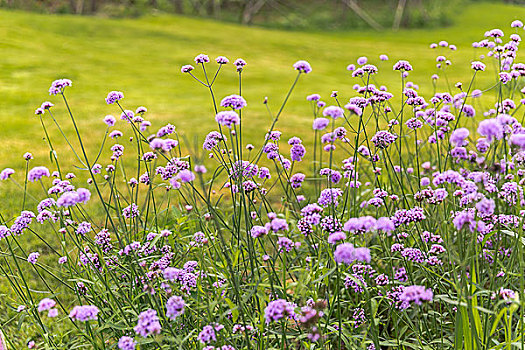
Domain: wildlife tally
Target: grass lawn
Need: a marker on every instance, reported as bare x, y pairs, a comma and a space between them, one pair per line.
142, 58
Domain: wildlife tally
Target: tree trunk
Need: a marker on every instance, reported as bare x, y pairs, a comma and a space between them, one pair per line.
361, 13
399, 14
94, 6
251, 9
178, 6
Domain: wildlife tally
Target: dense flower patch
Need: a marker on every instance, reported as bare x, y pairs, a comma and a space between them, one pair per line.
401, 227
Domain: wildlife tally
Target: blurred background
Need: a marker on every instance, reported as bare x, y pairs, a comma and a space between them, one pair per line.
284, 14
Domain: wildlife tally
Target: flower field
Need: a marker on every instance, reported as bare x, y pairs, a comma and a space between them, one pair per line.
396, 221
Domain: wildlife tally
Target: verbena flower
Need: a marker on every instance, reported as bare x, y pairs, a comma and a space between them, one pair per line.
148, 323
84, 313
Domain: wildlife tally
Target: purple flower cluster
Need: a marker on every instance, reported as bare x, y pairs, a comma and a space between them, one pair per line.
148, 323
84, 313
277, 310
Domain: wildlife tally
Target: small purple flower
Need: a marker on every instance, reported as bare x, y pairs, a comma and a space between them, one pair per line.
186, 175
148, 323
402, 65
227, 118
320, 123
346, 253
207, 335
362, 60
233, 101
58, 86
37, 173
222, 60
6, 173
127, 343
109, 120
239, 64
383, 139
478, 66
416, 294
84, 313
491, 129
131, 211
114, 96
333, 111
202, 58
302, 67
33, 257
187, 68
46, 304
459, 136
277, 310
174, 307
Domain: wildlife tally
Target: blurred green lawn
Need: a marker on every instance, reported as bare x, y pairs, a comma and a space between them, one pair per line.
142, 57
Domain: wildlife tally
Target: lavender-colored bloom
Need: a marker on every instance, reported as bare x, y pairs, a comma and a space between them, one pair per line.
58, 86
186, 68
277, 310
239, 64
329, 196
202, 58
131, 211
516, 24
46, 105
362, 60
222, 60
346, 253
383, 57
297, 179
109, 120
416, 294
37, 173
478, 66
382, 139
207, 335
33, 257
302, 66
84, 313
174, 307
459, 136
313, 97
6, 173
402, 65
114, 96
335, 237
320, 123
68, 199
333, 111
127, 343
278, 225
285, 244
83, 195
384, 224
148, 323
491, 129
186, 175
258, 231
227, 118
83, 228
518, 140
233, 101
297, 152
46, 304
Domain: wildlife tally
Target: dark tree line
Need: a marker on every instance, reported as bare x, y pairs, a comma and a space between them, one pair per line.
245, 11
